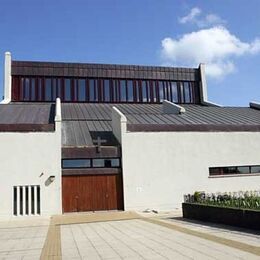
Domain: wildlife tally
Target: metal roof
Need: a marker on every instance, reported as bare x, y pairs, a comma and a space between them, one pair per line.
194, 115
62, 69
83, 122
27, 117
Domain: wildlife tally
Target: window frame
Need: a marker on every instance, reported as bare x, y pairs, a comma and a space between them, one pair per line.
221, 171
91, 162
142, 90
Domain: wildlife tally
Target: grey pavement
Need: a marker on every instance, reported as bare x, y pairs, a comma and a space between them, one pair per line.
237, 234
124, 239
137, 239
22, 239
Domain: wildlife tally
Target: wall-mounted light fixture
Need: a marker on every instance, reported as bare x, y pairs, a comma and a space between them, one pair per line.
51, 178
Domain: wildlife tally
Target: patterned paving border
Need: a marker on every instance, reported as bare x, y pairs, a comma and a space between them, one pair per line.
52, 246
228, 242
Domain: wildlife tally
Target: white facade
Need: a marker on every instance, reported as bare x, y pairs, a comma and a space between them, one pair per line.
7, 79
160, 167
30, 159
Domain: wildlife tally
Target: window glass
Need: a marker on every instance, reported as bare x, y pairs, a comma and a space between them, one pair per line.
98, 162
154, 91
107, 163
174, 92
137, 91
115, 162
161, 92
186, 92
67, 90
181, 93
39, 89
214, 171
96, 89
33, 89
48, 89
115, 91
58, 88
255, 169
74, 83
92, 90
148, 88
21, 89
122, 90
234, 170
76, 163
229, 170
144, 93
26, 89
81, 90
243, 170
191, 92
54, 89
106, 90
130, 92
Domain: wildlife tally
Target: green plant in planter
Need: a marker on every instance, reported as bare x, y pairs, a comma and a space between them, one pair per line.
241, 199
197, 196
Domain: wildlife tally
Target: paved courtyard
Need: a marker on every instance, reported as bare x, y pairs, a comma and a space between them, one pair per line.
23, 239
124, 235
138, 239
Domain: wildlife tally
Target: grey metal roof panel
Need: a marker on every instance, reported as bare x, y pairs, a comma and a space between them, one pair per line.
81, 120
85, 111
27, 117
195, 114
26, 113
34, 68
82, 133
153, 113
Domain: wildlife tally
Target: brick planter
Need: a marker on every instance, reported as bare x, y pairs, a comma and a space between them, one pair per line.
230, 216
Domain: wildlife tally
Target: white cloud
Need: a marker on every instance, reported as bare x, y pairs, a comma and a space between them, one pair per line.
196, 17
215, 46
194, 12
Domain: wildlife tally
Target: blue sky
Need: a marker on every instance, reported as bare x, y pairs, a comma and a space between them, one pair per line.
224, 34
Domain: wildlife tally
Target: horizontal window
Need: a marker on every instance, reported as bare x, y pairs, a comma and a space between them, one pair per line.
76, 163
107, 163
234, 170
103, 90
91, 163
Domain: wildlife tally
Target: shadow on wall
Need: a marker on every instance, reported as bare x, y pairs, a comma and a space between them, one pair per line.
49, 180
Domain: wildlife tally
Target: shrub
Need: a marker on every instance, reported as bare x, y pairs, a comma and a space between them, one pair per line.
241, 199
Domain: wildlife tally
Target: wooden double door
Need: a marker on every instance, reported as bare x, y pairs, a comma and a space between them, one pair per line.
92, 192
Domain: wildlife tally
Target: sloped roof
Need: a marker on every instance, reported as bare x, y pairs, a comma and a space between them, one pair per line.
25, 117
82, 120
83, 123
196, 118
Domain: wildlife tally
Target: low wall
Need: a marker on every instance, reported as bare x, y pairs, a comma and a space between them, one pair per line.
229, 216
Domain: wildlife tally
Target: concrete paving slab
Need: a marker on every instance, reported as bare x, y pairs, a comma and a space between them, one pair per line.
90, 217
138, 239
23, 239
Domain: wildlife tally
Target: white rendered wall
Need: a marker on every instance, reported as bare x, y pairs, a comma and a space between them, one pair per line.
23, 159
158, 168
7, 79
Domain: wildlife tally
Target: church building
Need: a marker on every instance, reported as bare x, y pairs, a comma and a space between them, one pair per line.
79, 137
